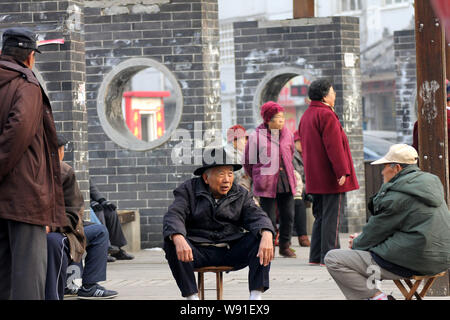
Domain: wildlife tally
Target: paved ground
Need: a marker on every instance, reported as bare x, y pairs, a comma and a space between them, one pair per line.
148, 277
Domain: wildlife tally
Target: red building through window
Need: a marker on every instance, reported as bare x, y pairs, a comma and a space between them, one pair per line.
144, 113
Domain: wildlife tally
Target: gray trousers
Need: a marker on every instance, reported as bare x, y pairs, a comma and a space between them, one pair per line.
356, 273
23, 261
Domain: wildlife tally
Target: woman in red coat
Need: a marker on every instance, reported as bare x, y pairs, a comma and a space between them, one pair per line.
329, 170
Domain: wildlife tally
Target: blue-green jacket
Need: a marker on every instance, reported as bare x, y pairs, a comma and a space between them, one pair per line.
410, 225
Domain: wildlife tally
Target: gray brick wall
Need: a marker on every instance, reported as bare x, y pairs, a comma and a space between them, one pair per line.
405, 83
269, 53
183, 36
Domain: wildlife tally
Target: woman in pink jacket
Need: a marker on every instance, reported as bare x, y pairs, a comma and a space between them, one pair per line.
268, 161
329, 171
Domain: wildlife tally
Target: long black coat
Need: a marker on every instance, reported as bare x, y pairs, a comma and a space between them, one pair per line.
196, 215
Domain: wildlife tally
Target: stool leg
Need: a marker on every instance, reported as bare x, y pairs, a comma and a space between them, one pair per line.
219, 285
402, 289
201, 286
426, 287
413, 289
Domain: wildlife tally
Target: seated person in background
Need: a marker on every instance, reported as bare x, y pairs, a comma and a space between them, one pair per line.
214, 222
407, 234
70, 243
107, 214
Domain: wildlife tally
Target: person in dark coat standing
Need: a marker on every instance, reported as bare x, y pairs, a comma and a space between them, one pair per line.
268, 161
31, 196
329, 170
213, 221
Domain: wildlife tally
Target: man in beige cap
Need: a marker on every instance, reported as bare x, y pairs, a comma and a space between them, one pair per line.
407, 234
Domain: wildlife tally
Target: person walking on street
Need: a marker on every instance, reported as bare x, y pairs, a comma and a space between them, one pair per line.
329, 170
31, 196
268, 161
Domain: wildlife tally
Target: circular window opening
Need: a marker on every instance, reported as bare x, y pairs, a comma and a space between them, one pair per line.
139, 104
289, 88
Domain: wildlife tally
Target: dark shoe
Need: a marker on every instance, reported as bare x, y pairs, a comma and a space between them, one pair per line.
390, 297
96, 292
303, 241
110, 259
122, 255
287, 252
113, 250
71, 292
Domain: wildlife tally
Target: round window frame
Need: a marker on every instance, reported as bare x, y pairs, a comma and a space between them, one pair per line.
116, 129
285, 75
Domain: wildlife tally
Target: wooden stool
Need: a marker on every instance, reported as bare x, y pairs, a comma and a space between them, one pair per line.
415, 286
218, 270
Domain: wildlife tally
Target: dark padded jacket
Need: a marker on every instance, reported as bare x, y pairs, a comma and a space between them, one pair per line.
196, 215
410, 225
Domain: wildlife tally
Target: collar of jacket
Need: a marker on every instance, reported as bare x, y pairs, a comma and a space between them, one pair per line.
386, 186
201, 189
405, 171
14, 65
320, 104
264, 126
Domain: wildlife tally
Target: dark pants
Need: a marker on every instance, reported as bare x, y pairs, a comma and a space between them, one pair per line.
285, 204
110, 219
300, 218
327, 211
97, 253
23, 261
242, 253
58, 254
59, 259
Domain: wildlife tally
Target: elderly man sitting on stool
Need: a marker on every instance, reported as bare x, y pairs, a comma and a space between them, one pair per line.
407, 234
214, 222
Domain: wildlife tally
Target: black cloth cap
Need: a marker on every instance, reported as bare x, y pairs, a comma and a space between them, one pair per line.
20, 37
210, 160
62, 141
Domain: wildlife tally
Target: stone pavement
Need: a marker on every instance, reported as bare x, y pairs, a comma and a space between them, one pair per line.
148, 277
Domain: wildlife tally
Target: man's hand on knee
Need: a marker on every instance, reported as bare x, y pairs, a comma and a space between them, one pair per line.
183, 249
351, 238
265, 252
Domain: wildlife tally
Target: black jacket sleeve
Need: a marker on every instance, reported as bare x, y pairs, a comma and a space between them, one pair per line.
174, 220
94, 192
